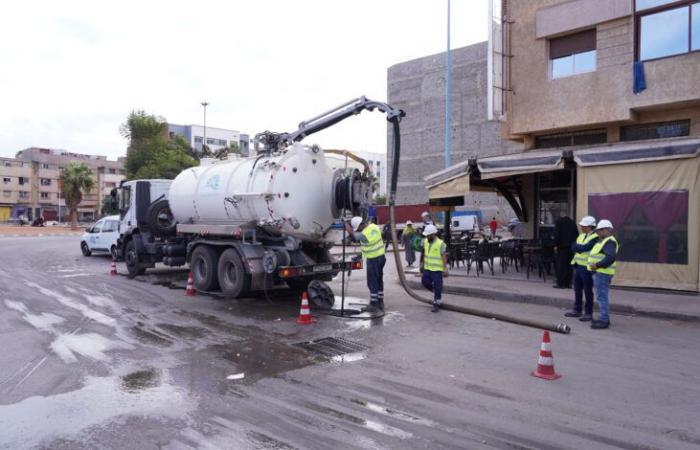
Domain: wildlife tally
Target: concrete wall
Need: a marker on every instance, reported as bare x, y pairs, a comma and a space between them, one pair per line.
538, 104
418, 87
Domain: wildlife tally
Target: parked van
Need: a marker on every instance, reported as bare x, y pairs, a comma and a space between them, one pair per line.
101, 237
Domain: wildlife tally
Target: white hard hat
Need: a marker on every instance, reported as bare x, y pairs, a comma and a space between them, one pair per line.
424, 213
408, 222
355, 222
604, 224
430, 229
588, 221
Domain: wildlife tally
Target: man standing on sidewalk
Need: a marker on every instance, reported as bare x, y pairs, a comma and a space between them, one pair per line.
565, 233
370, 238
583, 278
433, 264
602, 262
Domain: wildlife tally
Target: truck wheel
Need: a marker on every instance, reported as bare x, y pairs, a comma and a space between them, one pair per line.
160, 218
132, 260
85, 249
203, 264
233, 279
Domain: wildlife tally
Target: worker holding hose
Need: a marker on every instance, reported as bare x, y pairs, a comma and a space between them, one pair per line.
369, 235
433, 264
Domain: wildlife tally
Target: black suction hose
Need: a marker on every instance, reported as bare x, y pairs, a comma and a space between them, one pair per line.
559, 328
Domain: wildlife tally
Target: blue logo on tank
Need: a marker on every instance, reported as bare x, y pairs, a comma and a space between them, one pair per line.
213, 183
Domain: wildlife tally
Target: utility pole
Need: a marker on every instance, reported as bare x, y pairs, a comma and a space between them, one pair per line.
448, 106
204, 143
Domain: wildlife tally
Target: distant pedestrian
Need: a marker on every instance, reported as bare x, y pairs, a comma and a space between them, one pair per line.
433, 264
493, 225
565, 233
407, 237
583, 278
370, 238
602, 261
427, 219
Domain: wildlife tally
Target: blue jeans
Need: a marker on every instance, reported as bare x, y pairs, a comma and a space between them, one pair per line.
601, 282
432, 281
375, 279
583, 284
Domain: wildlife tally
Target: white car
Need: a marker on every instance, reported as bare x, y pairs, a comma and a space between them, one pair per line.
101, 237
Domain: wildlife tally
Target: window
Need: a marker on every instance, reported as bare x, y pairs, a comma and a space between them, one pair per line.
45, 195
655, 130
8, 164
7, 180
198, 139
112, 171
110, 185
23, 194
46, 181
572, 54
110, 226
44, 166
588, 137
22, 180
667, 28
7, 193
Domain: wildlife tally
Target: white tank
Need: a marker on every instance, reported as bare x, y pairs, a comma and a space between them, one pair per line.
291, 193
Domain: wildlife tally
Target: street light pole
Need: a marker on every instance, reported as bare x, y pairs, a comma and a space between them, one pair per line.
204, 143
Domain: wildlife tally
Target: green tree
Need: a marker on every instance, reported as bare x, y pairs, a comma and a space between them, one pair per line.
232, 149
151, 154
107, 208
75, 179
380, 200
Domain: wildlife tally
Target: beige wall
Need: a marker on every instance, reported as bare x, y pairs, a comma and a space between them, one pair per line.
14, 171
539, 105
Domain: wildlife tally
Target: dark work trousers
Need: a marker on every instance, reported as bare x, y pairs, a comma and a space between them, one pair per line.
583, 284
564, 269
375, 279
432, 281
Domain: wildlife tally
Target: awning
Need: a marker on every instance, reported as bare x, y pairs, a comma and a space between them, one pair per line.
450, 182
521, 163
635, 153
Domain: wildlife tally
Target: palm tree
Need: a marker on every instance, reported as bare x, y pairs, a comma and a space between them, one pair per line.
75, 179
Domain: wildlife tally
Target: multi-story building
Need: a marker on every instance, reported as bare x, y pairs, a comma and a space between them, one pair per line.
604, 100
31, 184
217, 138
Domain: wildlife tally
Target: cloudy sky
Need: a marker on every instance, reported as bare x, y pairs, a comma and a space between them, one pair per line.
71, 71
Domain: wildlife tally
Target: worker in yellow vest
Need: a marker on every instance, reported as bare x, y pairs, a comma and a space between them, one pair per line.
433, 264
369, 235
583, 278
602, 262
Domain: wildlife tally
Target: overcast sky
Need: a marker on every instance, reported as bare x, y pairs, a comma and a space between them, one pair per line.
71, 71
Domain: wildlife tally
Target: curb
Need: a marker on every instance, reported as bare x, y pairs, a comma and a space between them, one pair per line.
38, 235
556, 302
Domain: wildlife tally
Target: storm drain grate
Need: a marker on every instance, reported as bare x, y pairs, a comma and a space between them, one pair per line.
332, 346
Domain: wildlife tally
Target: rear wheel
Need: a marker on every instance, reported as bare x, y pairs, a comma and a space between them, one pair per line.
85, 249
203, 264
132, 260
233, 279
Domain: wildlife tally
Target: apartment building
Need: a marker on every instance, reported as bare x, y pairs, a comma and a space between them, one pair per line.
604, 100
31, 184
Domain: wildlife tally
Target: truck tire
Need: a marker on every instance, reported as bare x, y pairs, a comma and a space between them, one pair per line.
160, 219
233, 279
203, 264
132, 260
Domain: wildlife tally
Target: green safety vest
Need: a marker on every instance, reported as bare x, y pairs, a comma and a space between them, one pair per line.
432, 259
582, 258
597, 255
374, 248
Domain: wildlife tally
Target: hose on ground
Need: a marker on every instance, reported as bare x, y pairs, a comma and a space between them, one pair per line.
396, 137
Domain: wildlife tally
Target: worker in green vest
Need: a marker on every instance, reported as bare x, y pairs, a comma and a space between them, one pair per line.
602, 262
433, 264
583, 278
369, 235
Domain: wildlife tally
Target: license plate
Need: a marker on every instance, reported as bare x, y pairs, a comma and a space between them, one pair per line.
323, 268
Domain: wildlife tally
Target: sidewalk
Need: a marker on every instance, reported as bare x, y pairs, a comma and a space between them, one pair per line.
514, 287
29, 231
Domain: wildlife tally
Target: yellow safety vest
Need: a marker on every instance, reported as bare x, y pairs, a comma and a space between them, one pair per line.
597, 256
582, 258
374, 248
432, 259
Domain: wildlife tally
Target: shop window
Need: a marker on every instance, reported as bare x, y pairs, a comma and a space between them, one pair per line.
572, 54
589, 137
667, 28
655, 130
651, 227
554, 197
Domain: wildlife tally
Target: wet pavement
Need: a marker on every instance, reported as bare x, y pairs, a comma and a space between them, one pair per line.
91, 360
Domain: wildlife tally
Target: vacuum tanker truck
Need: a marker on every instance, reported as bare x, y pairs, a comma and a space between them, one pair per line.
248, 224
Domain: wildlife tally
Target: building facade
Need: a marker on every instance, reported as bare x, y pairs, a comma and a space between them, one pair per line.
217, 138
31, 184
603, 100
418, 87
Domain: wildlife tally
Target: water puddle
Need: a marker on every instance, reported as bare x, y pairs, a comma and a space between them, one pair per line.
141, 379
350, 357
184, 332
377, 408
366, 423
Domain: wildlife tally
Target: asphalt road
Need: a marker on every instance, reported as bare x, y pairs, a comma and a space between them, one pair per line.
90, 360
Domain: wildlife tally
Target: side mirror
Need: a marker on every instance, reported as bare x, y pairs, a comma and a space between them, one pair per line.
88, 229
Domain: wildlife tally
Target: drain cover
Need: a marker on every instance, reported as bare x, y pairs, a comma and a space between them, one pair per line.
332, 346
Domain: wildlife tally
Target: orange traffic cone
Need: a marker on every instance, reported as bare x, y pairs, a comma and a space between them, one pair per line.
190, 291
305, 315
113, 269
545, 364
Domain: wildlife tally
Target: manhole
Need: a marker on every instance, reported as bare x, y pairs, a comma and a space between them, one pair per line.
332, 346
